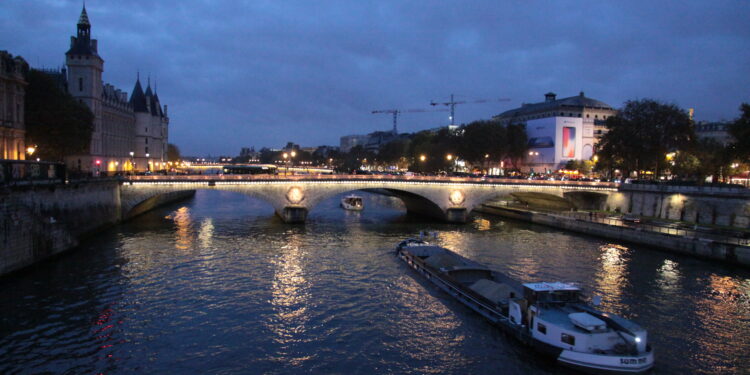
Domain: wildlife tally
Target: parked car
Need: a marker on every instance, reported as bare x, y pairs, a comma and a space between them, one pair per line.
630, 218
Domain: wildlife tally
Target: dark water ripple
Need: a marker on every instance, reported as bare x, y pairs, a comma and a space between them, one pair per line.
218, 285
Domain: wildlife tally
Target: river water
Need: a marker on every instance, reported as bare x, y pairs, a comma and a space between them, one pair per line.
218, 285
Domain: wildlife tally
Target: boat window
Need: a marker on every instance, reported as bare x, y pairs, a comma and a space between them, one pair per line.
541, 328
568, 339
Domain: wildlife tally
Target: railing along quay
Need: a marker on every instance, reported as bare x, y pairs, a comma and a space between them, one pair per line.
697, 234
26, 173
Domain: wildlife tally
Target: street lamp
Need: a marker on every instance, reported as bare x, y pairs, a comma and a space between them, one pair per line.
30, 150
422, 157
148, 162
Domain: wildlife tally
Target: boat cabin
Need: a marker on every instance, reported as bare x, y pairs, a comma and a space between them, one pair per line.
557, 293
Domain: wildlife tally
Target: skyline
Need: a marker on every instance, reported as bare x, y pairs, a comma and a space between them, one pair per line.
270, 73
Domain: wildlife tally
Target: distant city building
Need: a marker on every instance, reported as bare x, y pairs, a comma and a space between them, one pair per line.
348, 142
370, 142
718, 131
129, 134
560, 129
12, 92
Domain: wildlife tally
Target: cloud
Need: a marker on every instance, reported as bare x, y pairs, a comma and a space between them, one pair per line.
262, 73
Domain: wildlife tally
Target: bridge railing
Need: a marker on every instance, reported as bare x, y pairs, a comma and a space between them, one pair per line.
22, 172
346, 177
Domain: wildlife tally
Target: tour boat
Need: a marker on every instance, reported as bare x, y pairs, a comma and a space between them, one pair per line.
352, 202
550, 317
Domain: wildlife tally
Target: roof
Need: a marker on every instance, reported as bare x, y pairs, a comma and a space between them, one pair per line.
549, 287
578, 101
84, 18
138, 99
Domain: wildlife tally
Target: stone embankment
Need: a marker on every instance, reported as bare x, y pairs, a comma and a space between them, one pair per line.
40, 221
726, 251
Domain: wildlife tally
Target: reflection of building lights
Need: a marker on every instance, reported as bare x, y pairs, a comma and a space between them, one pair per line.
295, 195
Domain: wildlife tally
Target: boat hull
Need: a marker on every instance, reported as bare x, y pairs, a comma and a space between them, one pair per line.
585, 362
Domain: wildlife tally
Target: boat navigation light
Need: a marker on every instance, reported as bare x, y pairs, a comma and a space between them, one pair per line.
637, 339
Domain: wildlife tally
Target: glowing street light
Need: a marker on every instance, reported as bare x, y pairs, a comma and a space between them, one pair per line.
422, 157
30, 150
449, 157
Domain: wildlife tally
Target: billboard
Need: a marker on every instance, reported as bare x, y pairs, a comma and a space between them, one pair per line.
568, 142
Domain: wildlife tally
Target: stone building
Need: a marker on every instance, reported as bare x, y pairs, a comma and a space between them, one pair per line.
12, 89
129, 134
560, 129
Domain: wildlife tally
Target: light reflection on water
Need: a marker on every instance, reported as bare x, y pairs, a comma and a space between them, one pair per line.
219, 285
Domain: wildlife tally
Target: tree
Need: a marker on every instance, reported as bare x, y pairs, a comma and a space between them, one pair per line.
482, 138
173, 153
643, 132
395, 152
57, 123
740, 130
518, 143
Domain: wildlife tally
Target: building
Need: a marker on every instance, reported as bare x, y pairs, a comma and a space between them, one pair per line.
560, 129
129, 134
348, 142
12, 90
718, 131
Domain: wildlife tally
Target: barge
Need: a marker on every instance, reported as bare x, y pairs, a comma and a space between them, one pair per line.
550, 317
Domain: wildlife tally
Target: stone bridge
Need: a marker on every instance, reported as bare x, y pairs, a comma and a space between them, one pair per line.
448, 199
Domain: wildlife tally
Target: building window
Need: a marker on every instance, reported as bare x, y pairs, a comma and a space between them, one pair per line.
568, 339
541, 328
146, 150
146, 140
587, 115
596, 116
80, 84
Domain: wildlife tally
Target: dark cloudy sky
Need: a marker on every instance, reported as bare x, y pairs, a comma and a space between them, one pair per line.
261, 73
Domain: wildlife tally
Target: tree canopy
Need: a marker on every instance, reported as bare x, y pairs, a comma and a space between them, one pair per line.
57, 123
740, 130
173, 152
642, 133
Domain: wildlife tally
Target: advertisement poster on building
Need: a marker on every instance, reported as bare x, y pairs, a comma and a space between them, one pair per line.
569, 142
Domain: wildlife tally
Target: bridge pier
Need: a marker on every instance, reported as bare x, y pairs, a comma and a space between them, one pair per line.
458, 215
293, 214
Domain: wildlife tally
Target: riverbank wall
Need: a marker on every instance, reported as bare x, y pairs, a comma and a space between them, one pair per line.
41, 221
703, 248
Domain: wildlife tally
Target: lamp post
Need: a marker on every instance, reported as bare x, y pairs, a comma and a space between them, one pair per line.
148, 162
132, 165
449, 157
286, 164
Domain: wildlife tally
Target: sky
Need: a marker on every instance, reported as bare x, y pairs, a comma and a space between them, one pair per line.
263, 73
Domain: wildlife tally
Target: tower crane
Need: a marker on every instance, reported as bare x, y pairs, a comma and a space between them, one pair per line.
395, 113
453, 103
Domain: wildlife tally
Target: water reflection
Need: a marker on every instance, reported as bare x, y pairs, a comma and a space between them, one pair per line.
206, 232
482, 224
184, 233
668, 277
612, 276
290, 299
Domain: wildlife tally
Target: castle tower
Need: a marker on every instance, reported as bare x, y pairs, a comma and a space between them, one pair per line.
85, 69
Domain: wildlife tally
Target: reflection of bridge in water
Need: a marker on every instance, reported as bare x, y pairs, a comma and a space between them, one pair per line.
449, 199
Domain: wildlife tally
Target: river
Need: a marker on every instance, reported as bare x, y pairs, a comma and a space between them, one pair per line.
219, 285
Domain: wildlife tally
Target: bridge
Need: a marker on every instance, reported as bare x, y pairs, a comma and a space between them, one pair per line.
449, 199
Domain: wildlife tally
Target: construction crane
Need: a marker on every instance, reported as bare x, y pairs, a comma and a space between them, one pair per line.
395, 113
453, 103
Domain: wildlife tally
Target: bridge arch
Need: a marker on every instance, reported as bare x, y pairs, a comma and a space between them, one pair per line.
292, 198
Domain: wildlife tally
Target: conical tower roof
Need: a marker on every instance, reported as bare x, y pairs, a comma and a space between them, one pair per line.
84, 18
138, 98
